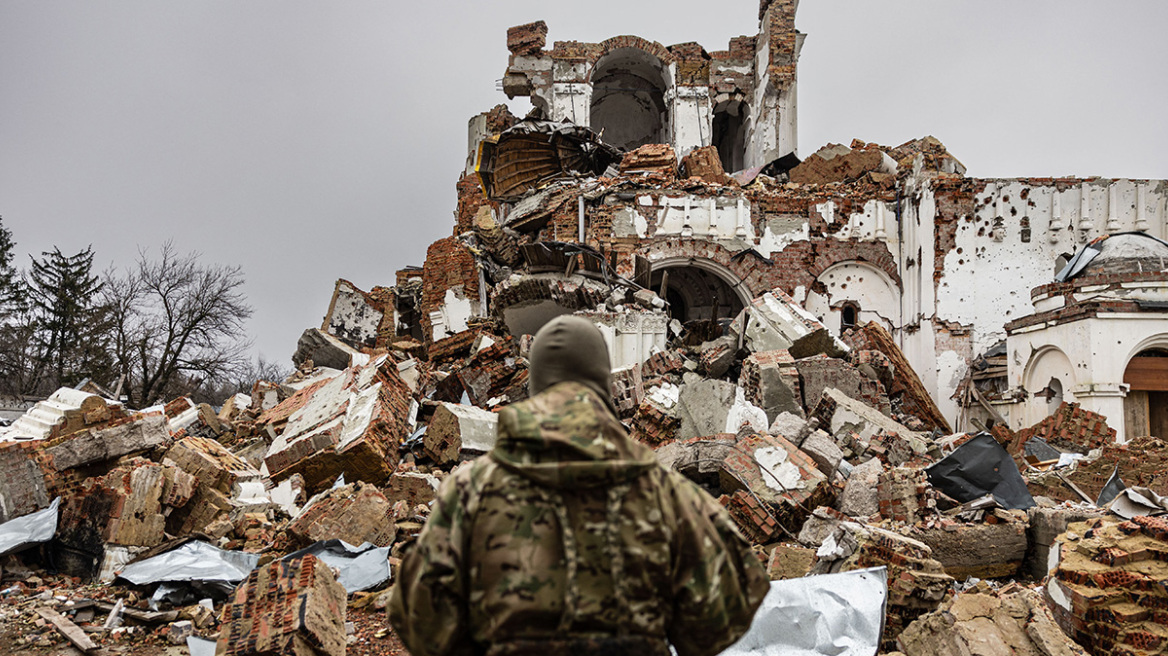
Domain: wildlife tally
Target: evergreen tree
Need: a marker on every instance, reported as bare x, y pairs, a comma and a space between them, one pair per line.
70, 332
11, 285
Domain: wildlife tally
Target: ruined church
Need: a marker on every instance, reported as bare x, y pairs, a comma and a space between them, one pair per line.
676, 169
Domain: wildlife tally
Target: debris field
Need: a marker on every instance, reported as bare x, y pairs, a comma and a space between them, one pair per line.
274, 522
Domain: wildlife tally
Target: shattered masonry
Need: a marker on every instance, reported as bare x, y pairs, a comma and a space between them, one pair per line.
804, 338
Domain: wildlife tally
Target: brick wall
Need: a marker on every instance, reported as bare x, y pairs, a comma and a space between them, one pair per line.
449, 264
22, 484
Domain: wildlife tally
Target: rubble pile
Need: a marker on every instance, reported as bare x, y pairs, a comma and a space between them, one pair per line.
819, 438
984, 620
824, 451
1108, 590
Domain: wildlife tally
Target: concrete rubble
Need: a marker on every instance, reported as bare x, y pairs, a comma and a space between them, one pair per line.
819, 459
764, 316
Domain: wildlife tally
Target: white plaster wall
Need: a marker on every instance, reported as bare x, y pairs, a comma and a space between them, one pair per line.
1098, 351
713, 218
786, 129
571, 101
915, 260
692, 121
761, 134
350, 312
632, 336
451, 317
476, 131
989, 273
991, 270
538, 69
870, 288
1045, 364
781, 232
987, 277
876, 222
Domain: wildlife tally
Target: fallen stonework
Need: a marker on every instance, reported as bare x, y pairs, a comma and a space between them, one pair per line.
813, 339
140, 433
355, 513
1108, 589
904, 387
66, 411
779, 475
772, 381
346, 425
775, 322
816, 459
1045, 526
455, 428
917, 583
987, 622
1142, 462
287, 607
22, 482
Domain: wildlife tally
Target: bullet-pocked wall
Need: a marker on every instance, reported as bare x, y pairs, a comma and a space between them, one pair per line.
893, 234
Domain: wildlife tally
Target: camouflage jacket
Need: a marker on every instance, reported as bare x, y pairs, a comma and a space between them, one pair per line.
569, 530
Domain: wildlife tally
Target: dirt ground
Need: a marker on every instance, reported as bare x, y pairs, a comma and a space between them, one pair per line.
25, 633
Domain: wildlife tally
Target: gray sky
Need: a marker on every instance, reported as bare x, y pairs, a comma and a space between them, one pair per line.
307, 141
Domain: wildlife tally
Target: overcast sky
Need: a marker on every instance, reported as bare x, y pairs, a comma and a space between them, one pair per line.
309, 141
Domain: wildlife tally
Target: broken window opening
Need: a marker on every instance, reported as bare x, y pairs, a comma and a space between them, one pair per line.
628, 99
849, 316
729, 134
695, 294
1055, 399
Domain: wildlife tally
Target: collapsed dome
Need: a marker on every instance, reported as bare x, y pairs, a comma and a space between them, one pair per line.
1127, 252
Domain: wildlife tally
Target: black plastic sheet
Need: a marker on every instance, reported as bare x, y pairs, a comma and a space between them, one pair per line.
980, 467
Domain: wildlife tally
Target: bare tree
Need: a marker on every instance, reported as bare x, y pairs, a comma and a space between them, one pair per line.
177, 325
217, 391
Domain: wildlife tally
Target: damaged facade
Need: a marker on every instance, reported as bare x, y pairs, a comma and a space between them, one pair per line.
714, 203
869, 359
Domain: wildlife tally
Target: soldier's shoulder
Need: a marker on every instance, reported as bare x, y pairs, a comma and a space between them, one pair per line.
564, 403
468, 476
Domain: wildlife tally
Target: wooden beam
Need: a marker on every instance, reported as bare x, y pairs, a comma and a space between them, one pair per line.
68, 629
1148, 374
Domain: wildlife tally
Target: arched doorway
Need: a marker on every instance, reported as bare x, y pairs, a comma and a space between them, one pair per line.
698, 290
628, 99
1145, 408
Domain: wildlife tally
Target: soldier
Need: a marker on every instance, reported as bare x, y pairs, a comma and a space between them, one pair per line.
570, 538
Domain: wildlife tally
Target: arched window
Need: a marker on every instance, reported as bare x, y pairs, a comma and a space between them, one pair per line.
849, 316
628, 99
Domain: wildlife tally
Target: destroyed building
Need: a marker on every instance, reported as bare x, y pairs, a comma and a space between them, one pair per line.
878, 366
711, 206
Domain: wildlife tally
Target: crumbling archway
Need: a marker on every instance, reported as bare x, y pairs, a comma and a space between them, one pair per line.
698, 290
1048, 373
628, 98
729, 134
1145, 408
853, 292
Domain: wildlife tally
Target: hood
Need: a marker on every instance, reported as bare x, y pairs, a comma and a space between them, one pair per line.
570, 348
565, 437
